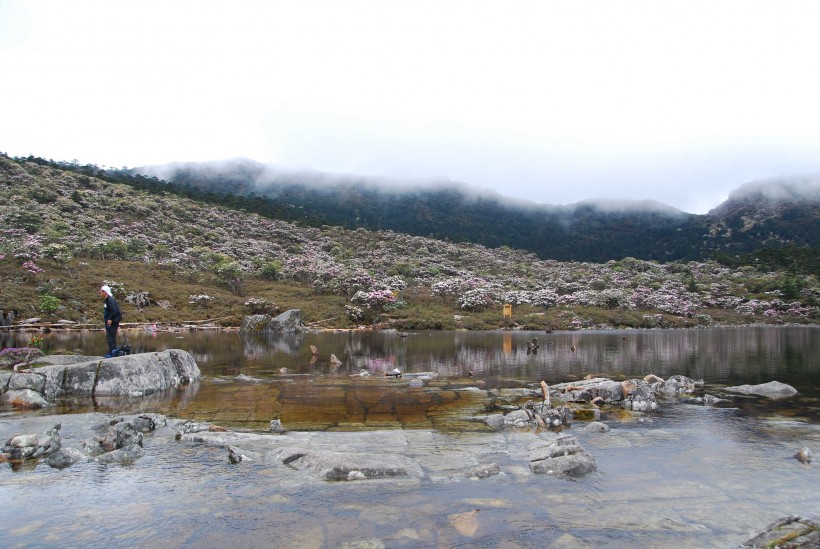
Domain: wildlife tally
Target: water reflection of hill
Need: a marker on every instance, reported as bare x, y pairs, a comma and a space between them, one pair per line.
300, 385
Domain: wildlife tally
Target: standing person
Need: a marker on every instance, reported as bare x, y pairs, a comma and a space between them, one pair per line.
112, 317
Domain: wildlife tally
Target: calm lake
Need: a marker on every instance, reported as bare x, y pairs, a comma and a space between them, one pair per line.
685, 476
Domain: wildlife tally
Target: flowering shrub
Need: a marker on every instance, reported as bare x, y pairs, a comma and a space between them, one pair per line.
58, 253
32, 267
654, 321
517, 297
200, 300
354, 313
355, 281
116, 287
261, 306
393, 283
18, 355
376, 300
544, 298
476, 299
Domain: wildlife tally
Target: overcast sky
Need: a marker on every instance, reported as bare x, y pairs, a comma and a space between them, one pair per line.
553, 101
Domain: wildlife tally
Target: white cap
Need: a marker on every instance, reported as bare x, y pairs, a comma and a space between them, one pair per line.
107, 290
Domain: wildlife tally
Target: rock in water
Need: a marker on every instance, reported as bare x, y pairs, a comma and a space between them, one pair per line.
772, 389
235, 455
803, 456
33, 446
65, 457
465, 524
565, 457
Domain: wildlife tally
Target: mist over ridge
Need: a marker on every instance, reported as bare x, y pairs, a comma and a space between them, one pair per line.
245, 176
772, 212
803, 187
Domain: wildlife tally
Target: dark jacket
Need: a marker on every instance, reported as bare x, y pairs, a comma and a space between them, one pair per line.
111, 311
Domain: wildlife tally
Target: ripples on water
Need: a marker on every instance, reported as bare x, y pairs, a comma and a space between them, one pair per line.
685, 476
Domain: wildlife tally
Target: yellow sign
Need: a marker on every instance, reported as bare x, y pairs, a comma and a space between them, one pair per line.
508, 310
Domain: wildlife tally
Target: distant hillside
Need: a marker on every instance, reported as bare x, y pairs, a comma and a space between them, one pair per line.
65, 228
765, 214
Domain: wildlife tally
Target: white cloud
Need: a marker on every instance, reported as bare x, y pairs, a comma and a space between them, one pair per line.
556, 101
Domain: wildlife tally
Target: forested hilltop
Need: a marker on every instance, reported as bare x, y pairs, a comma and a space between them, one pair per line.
68, 228
771, 213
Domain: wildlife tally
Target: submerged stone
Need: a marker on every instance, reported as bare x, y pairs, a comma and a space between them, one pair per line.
772, 389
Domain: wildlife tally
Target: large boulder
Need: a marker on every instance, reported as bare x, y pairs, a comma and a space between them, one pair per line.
255, 324
131, 375
286, 323
145, 373
772, 389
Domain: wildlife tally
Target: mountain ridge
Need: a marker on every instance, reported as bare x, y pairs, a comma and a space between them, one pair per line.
588, 230
251, 175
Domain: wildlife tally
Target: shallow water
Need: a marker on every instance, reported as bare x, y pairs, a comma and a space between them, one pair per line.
687, 475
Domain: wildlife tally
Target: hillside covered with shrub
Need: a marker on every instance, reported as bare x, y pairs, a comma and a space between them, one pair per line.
174, 259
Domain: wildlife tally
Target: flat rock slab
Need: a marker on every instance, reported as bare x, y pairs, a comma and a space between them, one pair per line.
350, 466
63, 360
772, 389
400, 455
